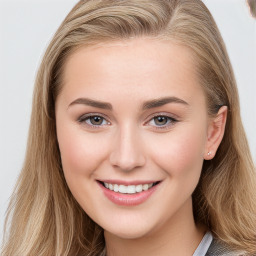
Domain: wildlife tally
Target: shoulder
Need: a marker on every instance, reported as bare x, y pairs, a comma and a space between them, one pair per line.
218, 248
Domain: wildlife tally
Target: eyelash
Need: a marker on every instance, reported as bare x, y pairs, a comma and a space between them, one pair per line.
82, 119
170, 120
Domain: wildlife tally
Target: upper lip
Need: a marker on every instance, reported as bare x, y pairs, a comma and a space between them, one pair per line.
132, 182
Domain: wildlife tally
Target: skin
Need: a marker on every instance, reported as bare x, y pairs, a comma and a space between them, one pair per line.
129, 144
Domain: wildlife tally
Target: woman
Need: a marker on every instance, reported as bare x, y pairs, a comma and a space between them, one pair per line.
136, 145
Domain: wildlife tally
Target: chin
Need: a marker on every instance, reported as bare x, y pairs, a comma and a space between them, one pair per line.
128, 231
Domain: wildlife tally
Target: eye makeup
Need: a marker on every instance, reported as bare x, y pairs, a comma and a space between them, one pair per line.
156, 121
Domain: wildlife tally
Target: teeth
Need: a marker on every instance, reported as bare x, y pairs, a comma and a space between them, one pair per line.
116, 188
145, 187
122, 189
139, 188
130, 189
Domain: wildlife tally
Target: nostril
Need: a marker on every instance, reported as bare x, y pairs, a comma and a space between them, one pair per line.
126, 162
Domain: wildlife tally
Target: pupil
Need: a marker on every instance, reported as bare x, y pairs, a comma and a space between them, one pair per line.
160, 120
96, 120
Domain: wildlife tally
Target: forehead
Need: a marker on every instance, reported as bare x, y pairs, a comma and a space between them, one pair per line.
135, 66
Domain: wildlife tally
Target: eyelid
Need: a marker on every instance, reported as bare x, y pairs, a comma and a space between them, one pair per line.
83, 117
172, 116
174, 119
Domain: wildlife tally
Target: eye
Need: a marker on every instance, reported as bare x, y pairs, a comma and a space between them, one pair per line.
162, 121
93, 120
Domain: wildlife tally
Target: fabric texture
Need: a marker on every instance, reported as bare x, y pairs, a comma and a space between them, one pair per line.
217, 248
204, 245
209, 246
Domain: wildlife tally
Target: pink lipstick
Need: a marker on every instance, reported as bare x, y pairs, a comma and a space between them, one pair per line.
128, 193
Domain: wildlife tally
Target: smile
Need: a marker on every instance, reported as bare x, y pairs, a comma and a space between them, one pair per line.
125, 194
130, 189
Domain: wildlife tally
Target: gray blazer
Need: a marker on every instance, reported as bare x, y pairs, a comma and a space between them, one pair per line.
216, 249
219, 249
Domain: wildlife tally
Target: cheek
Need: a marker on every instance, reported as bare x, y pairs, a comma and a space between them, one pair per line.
180, 152
81, 152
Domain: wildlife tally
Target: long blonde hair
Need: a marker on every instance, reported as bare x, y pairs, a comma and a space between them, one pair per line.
44, 218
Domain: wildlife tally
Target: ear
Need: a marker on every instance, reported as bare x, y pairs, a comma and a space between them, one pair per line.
215, 133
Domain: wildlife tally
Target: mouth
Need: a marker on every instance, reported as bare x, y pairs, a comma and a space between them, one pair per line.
126, 193
128, 189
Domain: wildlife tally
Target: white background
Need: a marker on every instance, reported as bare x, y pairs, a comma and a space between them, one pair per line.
26, 28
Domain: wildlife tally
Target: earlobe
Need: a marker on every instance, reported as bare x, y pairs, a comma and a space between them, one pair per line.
215, 132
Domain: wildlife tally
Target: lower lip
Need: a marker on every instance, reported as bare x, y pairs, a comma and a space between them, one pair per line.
128, 199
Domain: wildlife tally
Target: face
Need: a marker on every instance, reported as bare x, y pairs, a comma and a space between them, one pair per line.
132, 131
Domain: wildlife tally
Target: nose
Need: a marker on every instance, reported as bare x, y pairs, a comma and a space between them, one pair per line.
127, 153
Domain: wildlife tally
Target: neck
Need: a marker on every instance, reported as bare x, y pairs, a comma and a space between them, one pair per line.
178, 236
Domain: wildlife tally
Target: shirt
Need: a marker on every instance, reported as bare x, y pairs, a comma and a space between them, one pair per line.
204, 245
210, 246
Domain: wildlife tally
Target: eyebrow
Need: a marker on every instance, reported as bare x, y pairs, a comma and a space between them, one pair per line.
162, 101
92, 103
146, 105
